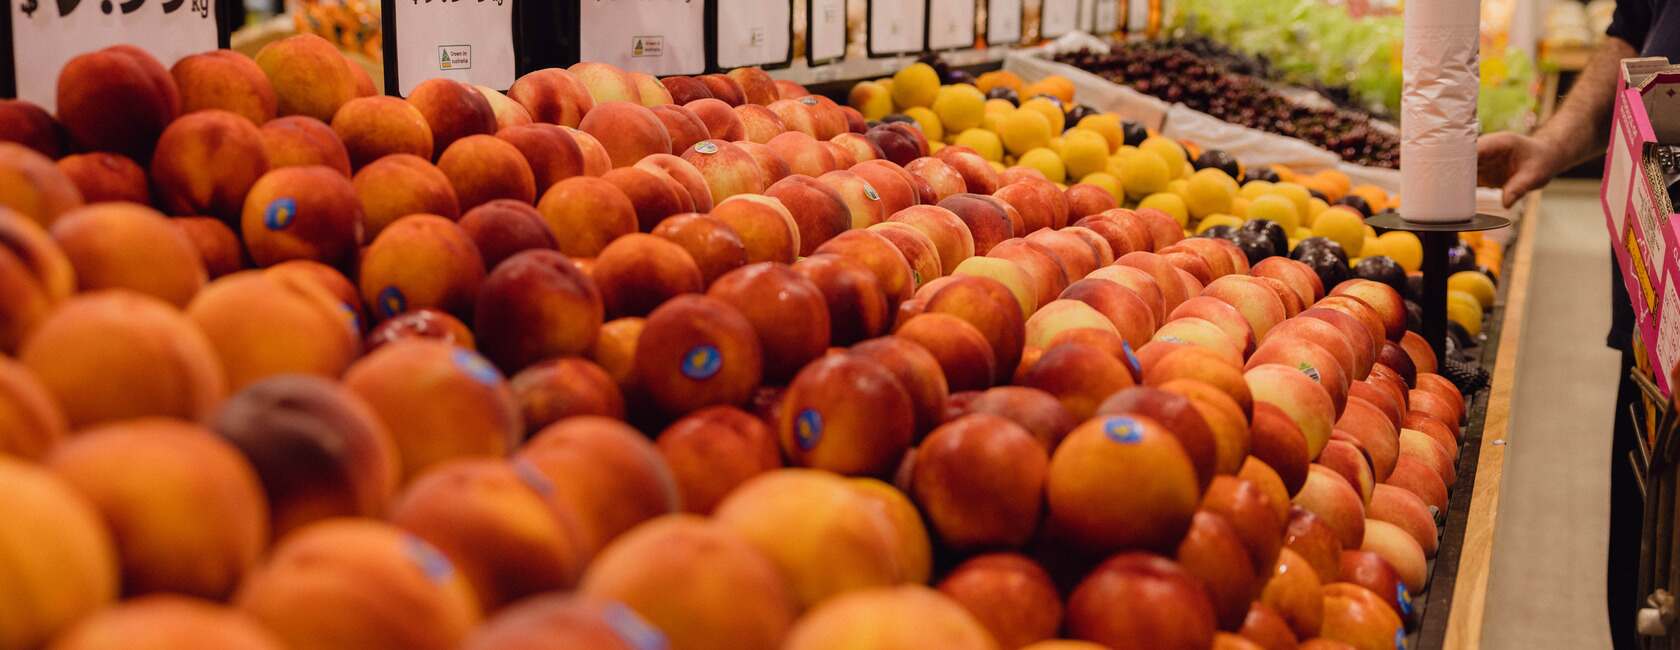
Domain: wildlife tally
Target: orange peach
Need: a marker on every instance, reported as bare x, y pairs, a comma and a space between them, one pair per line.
917, 370
421, 261
803, 154
1402, 552
858, 308
1035, 410
765, 225
949, 233
770, 164
1009, 594
1330, 496
918, 250
1295, 592
196, 523
33, 186
685, 89
909, 616
983, 302
302, 213
788, 312
892, 183
552, 153
654, 193
504, 227
715, 247
33, 422
483, 168
552, 96
51, 525
638, 272
715, 449
1137, 600
168, 621
760, 124
980, 482
535, 305
300, 141
1266, 628
1150, 509
607, 474
606, 82
1397, 506
420, 323
129, 246
727, 169
892, 271
555, 389
508, 113
360, 583
309, 75
453, 110
1213, 552
725, 88
374, 127
102, 177
562, 621
963, 354
584, 214
32, 126
860, 148
1359, 617
1310, 359
682, 125
399, 185
865, 437
119, 99
1306, 402
721, 121
628, 131
818, 208
1202, 365
264, 324
688, 179
697, 351
206, 163
977, 174
439, 402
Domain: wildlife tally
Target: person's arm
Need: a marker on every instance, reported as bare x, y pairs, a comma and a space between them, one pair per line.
1578, 131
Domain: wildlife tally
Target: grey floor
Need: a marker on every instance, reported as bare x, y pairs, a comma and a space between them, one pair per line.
1546, 589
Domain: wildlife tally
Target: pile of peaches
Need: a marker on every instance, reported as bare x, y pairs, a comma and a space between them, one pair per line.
616, 362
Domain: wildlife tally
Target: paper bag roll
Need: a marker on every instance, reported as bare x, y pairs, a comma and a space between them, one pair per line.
1438, 125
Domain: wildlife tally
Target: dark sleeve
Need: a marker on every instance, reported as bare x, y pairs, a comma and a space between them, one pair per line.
1631, 22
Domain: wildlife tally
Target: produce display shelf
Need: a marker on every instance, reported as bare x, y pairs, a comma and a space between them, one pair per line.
1451, 611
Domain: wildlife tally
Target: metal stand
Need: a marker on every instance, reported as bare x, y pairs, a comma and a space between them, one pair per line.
1436, 238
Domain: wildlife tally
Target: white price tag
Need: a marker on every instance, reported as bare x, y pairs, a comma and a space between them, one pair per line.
1107, 19
659, 37
1003, 22
950, 24
46, 34
753, 32
1057, 17
896, 26
825, 30
470, 41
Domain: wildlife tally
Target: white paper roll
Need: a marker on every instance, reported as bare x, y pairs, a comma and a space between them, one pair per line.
1438, 125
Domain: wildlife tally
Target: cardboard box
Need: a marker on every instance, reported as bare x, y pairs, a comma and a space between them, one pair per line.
1638, 211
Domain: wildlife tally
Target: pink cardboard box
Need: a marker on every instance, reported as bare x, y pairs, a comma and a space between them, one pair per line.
1640, 219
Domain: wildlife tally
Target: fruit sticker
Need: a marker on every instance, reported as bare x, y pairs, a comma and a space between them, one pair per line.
871, 193
1131, 359
280, 213
808, 429
633, 630
1400, 639
702, 362
476, 367
532, 478
1308, 370
808, 101
392, 302
1404, 598
706, 147
1172, 339
1123, 430
431, 561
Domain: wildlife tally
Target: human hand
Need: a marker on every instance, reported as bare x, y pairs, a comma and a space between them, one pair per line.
1516, 163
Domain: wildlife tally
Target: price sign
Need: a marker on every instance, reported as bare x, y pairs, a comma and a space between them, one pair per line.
1107, 17
825, 31
659, 37
46, 34
1057, 17
1003, 22
896, 27
753, 32
950, 24
470, 41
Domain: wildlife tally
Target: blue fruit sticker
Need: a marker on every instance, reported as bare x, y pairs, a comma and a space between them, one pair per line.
1404, 597
280, 213
476, 367
1308, 370
808, 429
1400, 638
702, 362
633, 630
392, 301
1132, 360
431, 561
531, 477
706, 147
1123, 430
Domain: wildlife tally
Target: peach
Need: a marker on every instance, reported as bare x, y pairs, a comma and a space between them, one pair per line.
129, 246
682, 125
1371, 571
1178, 415
1430, 406
199, 495
918, 250
1431, 426
1296, 275
412, 382
1137, 600
1221, 314
1162, 228
1295, 592
1036, 211
552, 153
677, 591
453, 110
1306, 402
964, 355
795, 116
1415, 476
917, 370
1085, 200
628, 131
760, 124
100, 355
1150, 509
1380, 439
892, 272
1311, 360
483, 168
1310, 536
1359, 617
765, 225
1387, 303
825, 536
857, 306
1058, 317
856, 406
498, 523
709, 344
50, 524
684, 89
715, 449
1009, 594
615, 351
891, 182
908, 616
1362, 311
654, 193
1005, 272
1345, 457
1257, 303
371, 128
1402, 552
302, 213
858, 146
1044, 270
768, 294
535, 305
725, 88
607, 474
421, 261
1079, 375
552, 96
983, 302
1252, 514
504, 227
301, 141
1266, 628
563, 620
318, 450
1291, 302
35, 187
638, 272
1125, 233
596, 162
1278, 442
264, 324
33, 127
420, 323
206, 163
1423, 356
1336, 501
726, 169
33, 422
756, 85
1201, 333
914, 551
686, 179
1407, 511
1417, 444
119, 99
1165, 276
1213, 552
949, 233
980, 482
399, 185
168, 621
1079, 250
1037, 411
508, 113
555, 389
606, 82
313, 590
770, 165
721, 121
941, 176
715, 247
1191, 264
309, 76
804, 155
101, 177
1201, 365
584, 214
